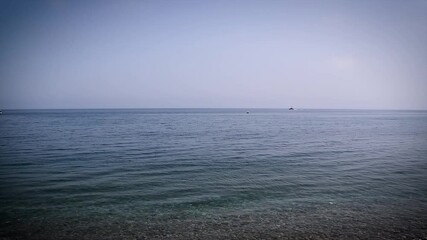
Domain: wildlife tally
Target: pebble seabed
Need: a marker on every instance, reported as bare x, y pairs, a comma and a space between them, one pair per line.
329, 223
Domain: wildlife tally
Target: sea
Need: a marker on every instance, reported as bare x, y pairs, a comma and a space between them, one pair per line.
213, 174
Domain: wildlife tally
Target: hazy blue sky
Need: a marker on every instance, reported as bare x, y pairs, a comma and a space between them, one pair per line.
305, 54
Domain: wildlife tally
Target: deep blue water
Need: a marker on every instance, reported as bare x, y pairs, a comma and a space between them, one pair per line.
213, 173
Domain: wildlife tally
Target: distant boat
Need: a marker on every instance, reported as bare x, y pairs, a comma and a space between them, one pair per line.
291, 109
247, 112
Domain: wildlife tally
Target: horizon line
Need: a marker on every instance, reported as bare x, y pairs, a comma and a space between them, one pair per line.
277, 108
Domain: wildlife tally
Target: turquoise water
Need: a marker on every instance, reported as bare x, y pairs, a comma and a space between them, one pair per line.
213, 173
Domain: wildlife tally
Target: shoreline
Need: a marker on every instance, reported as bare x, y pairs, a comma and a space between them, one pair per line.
341, 223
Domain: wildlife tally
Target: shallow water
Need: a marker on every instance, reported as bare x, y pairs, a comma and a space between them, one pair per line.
213, 173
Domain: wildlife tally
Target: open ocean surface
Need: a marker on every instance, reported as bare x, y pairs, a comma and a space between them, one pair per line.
213, 174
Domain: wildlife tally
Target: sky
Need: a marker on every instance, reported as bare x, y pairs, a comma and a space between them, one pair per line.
213, 54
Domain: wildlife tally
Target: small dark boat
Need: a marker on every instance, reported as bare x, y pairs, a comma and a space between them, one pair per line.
291, 109
247, 112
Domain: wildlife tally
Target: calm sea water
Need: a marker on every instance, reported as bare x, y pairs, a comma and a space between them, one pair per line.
213, 173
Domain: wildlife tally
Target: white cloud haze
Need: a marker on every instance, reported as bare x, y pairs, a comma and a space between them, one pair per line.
306, 54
